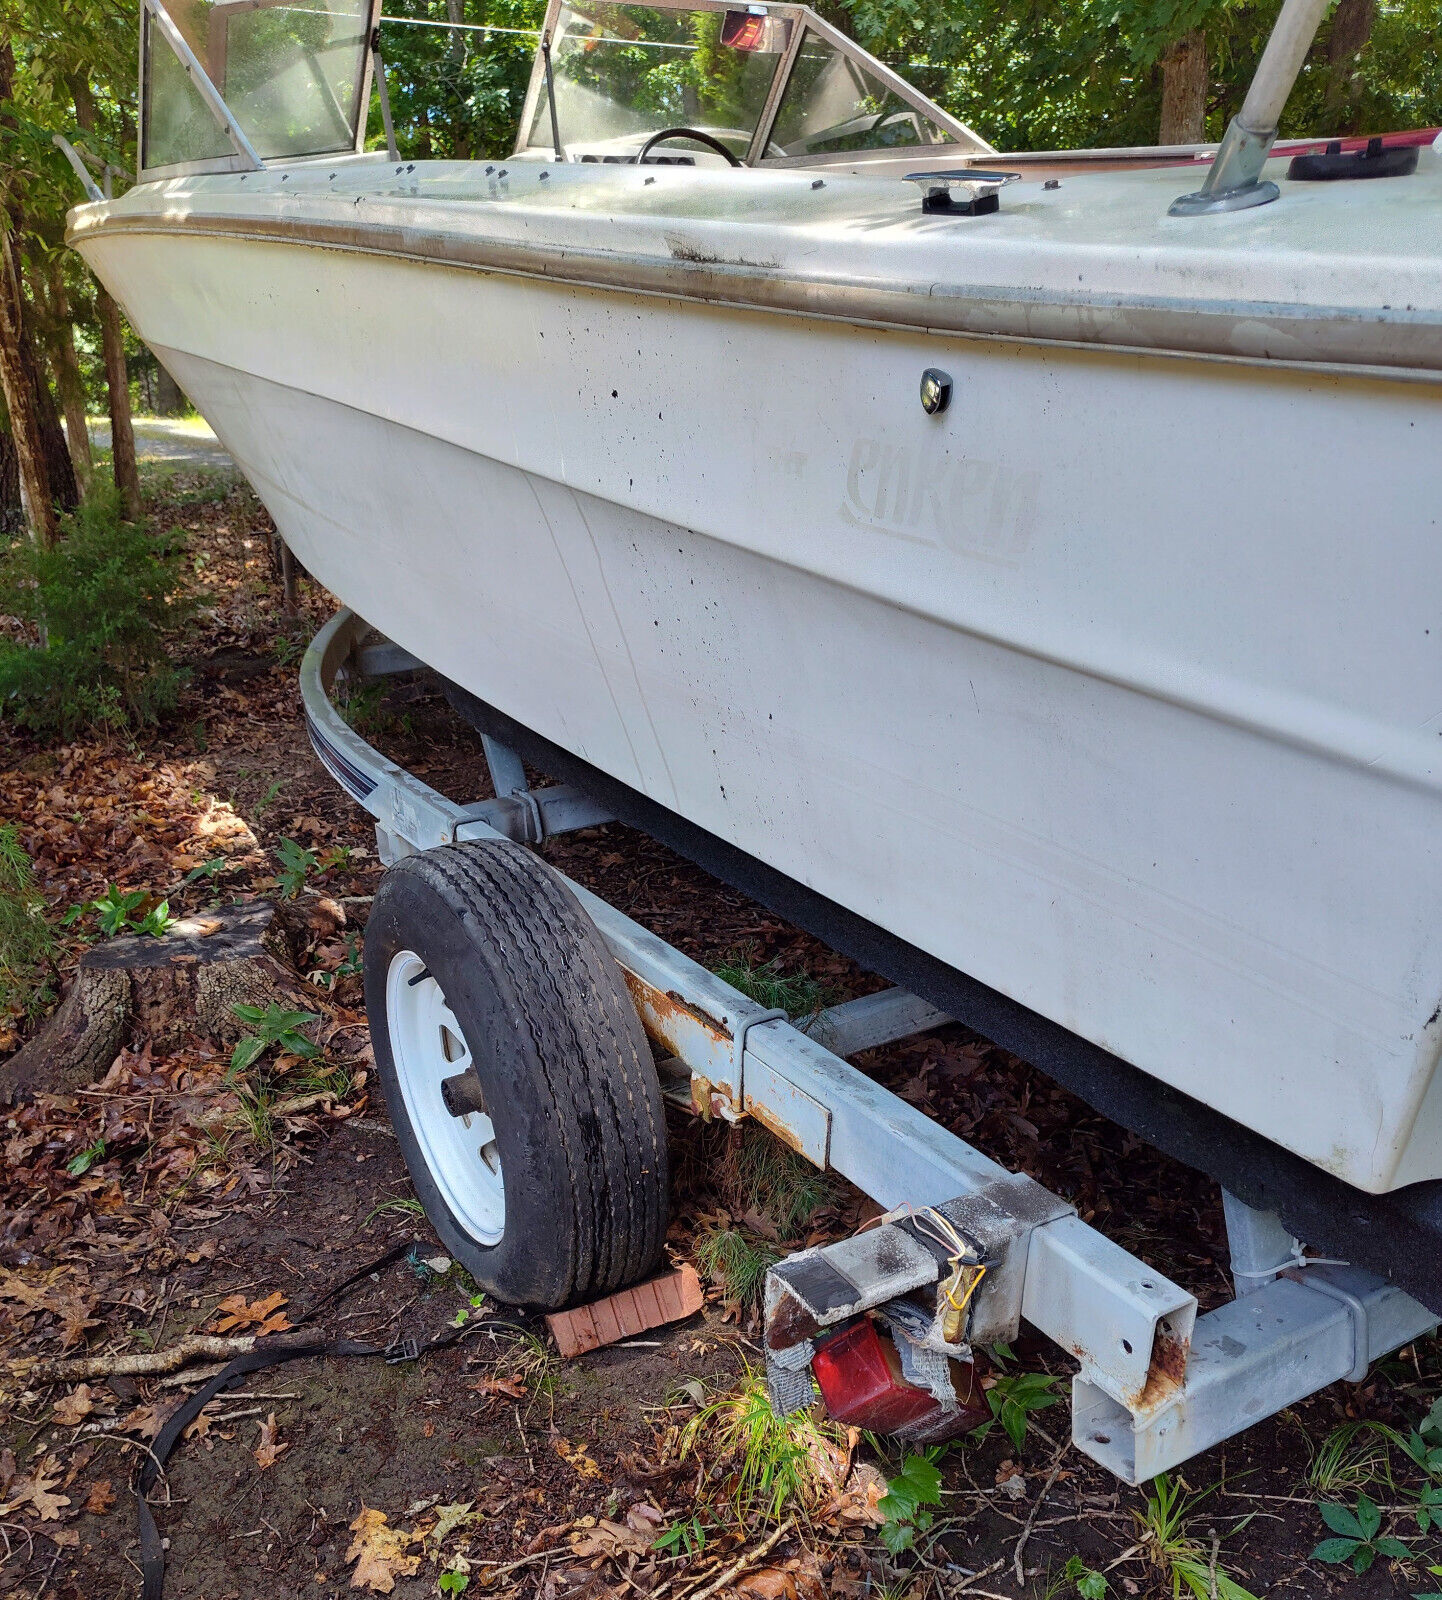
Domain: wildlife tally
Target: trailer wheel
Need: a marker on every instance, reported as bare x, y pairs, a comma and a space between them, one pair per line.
517, 1075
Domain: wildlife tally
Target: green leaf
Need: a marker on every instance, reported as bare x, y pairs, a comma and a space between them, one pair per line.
1013, 1419
1335, 1551
1394, 1548
246, 1052
1092, 1586
78, 1165
898, 1536
1368, 1516
1340, 1520
923, 1479
251, 1014
1363, 1557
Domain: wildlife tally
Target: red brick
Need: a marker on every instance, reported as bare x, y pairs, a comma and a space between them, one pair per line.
670, 1298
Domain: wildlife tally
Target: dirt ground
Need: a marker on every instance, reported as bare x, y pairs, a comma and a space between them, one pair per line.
170, 1199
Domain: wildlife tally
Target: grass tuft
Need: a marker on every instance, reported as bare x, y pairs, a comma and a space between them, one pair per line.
796, 993
759, 1174
736, 1262
781, 1464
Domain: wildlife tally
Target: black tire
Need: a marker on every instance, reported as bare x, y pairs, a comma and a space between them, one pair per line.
562, 1059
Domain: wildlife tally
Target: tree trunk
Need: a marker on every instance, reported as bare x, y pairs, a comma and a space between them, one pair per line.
15, 385
69, 383
12, 514
19, 393
169, 396
1351, 32
164, 989
1184, 90
117, 383
117, 377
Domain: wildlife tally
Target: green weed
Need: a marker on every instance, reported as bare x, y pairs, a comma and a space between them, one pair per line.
405, 1205
758, 1173
124, 911
25, 940
267, 800
796, 993
686, 1538
1351, 1457
1359, 1539
296, 865
1181, 1560
81, 1163
1012, 1399
780, 1462
273, 1025
735, 1262
907, 1499
99, 607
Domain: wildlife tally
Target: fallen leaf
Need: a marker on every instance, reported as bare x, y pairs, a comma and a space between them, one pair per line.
36, 1491
644, 1518
506, 1386
144, 1420
101, 1497
448, 1519
379, 1553
610, 1539
234, 1312
767, 1583
269, 1450
576, 1459
546, 1538
73, 1408
65, 1538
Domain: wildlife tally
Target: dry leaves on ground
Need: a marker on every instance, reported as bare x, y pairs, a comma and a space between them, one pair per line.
37, 1491
379, 1553
235, 1313
269, 1449
72, 1409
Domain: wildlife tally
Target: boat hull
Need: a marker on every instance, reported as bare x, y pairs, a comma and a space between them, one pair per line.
1114, 687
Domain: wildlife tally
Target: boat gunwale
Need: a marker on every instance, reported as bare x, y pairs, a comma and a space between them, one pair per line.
1341, 340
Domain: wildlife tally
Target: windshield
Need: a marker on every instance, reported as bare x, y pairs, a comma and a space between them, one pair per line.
624, 72
293, 76
833, 103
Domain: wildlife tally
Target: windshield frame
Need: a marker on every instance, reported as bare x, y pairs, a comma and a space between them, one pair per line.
801, 17
152, 37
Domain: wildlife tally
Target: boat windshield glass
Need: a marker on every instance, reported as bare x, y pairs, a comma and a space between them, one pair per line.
832, 103
624, 72
293, 76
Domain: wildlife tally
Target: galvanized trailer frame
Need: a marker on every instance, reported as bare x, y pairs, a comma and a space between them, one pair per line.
1157, 1383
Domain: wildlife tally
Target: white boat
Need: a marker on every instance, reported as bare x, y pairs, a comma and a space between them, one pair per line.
1043, 573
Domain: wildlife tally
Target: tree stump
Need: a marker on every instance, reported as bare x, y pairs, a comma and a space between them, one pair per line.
162, 989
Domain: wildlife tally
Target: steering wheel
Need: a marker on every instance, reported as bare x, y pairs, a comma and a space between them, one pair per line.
685, 133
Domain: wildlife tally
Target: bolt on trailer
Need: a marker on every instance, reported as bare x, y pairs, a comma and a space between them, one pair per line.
882, 1325
898, 620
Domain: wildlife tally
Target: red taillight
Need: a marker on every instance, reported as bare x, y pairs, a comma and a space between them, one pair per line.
859, 1375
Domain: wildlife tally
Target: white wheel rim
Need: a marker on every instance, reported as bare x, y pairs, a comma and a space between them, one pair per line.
427, 1046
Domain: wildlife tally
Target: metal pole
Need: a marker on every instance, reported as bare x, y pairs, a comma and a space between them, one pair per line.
556, 144
384, 92
72, 155
214, 100
1234, 179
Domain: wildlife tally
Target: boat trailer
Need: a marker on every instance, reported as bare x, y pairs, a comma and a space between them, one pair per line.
984, 1247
